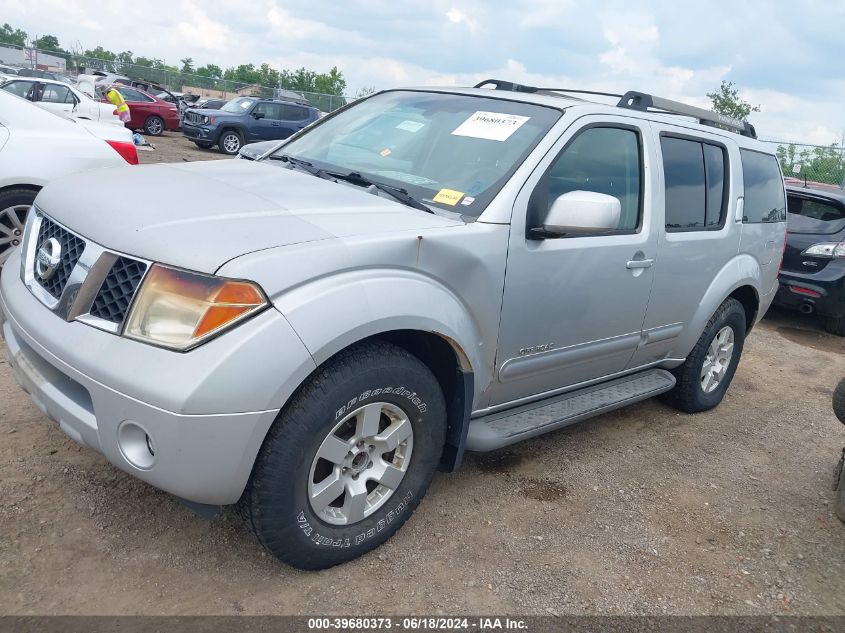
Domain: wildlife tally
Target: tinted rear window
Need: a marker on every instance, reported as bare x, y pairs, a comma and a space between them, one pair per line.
814, 216
683, 166
764, 199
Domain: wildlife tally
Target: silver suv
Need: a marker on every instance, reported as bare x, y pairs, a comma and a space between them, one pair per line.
312, 334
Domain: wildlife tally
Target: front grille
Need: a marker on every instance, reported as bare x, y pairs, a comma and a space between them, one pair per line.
72, 247
194, 117
118, 288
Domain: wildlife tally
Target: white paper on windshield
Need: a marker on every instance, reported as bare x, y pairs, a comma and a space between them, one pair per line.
493, 126
410, 126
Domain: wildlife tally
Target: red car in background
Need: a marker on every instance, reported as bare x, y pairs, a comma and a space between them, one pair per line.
148, 113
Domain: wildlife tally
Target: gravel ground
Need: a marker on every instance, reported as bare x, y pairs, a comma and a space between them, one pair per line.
172, 147
643, 510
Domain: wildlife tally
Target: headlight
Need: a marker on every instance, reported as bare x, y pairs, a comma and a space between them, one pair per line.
826, 249
180, 309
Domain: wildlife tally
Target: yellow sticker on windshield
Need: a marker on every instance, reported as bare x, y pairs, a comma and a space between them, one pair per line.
448, 196
385, 152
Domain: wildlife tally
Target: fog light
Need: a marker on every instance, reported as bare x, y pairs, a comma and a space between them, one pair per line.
136, 445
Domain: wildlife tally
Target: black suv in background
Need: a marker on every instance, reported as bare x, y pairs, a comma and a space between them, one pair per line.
812, 277
246, 120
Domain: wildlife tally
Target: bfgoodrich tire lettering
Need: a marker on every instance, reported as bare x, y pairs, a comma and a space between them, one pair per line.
276, 504
728, 322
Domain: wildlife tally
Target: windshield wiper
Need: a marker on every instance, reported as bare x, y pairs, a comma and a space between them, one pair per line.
398, 193
304, 165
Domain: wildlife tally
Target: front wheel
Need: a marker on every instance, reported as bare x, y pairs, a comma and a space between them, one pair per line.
14, 207
230, 142
154, 125
348, 459
707, 372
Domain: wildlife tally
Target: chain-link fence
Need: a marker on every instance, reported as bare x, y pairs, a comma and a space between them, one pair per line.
176, 81
813, 163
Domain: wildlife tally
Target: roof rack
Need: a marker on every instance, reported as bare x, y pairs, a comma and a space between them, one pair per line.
643, 102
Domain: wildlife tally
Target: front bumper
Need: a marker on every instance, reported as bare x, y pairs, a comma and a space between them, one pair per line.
201, 133
828, 284
206, 412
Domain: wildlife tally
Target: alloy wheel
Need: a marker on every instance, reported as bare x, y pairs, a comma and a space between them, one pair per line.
360, 464
231, 143
718, 359
12, 220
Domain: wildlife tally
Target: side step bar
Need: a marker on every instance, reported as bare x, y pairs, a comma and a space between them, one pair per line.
514, 425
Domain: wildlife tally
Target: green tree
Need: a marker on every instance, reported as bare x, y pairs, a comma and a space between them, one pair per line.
8, 35
210, 70
48, 43
187, 65
726, 101
331, 83
364, 91
243, 74
818, 163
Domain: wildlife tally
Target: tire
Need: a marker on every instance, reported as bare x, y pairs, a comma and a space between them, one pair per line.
154, 125
14, 207
839, 401
230, 142
834, 325
839, 488
689, 393
322, 419
203, 145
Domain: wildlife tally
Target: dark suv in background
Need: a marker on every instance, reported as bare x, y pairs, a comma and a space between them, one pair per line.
812, 277
246, 120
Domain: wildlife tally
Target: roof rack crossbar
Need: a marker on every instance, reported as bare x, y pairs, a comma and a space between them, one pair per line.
644, 102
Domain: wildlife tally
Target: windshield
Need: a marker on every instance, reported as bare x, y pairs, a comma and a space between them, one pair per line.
241, 104
451, 151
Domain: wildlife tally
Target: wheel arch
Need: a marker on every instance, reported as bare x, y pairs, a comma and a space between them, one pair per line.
30, 187
740, 279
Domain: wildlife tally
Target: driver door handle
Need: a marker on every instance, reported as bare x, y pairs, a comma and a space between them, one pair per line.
639, 263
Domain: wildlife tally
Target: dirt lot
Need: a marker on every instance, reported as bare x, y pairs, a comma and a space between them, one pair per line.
172, 147
639, 511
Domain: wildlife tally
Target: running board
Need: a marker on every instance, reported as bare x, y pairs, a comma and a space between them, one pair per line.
514, 425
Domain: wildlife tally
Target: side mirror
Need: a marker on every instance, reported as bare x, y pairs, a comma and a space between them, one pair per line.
582, 212
257, 115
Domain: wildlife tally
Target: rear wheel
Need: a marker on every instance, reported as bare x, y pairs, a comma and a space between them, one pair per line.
348, 459
707, 372
14, 206
839, 401
834, 325
154, 125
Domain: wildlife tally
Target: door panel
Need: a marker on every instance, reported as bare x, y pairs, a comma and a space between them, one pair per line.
573, 307
690, 252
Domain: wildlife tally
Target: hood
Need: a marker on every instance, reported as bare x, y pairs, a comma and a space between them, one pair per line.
208, 111
200, 215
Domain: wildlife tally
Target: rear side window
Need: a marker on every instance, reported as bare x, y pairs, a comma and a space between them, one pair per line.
56, 94
694, 173
294, 113
814, 216
764, 198
133, 96
20, 88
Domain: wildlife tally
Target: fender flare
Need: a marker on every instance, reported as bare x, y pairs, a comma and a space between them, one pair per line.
742, 270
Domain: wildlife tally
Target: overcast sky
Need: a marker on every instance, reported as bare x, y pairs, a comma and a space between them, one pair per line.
787, 56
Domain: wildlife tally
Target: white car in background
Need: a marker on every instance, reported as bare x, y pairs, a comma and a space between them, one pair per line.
37, 147
62, 99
